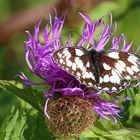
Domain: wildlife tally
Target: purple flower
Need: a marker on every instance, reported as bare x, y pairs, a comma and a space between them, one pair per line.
104, 108
39, 59
88, 35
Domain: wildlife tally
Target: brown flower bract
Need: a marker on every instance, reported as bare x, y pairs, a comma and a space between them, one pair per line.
70, 116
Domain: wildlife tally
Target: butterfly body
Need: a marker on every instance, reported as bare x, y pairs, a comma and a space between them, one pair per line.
110, 71
94, 64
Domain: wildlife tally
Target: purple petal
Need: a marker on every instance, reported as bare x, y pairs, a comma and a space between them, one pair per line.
86, 18
71, 91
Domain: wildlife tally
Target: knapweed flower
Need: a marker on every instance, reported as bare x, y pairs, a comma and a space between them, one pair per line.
70, 106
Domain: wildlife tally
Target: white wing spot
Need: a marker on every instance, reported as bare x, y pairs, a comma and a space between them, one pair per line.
61, 61
64, 51
92, 76
112, 79
116, 76
101, 80
77, 60
120, 87
106, 66
88, 65
83, 71
134, 68
74, 66
114, 88
59, 55
106, 89
68, 55
114, 55
132, 60
128, 77
119, 67
80, 64
129, 70
122, 63
78, 74
89, 84
134, 57
86, 75
79, 52
94, 86
67, 69
106, 78
69, 63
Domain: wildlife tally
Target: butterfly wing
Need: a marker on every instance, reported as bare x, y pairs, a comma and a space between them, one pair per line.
76, 62
117, 70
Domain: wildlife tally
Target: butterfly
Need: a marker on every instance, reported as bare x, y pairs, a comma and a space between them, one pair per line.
110, 71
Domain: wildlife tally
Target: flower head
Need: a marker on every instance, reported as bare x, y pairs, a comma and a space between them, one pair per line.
68, 116
40, 61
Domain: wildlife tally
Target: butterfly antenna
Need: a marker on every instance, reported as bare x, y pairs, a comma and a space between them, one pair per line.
138, 49
74, 32
88, 45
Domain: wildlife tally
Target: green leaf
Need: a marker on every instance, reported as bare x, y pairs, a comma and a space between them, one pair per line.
37, 128
24, 124
14, 125
112, 134
34, 97
105, 130
126, 132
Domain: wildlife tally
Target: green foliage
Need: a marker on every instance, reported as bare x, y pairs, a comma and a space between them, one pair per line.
100, 132
23, 124
37, 128
26, 120
29, 95
14, 125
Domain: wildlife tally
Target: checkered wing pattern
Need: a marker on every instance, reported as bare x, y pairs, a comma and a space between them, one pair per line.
115, 70
76, 62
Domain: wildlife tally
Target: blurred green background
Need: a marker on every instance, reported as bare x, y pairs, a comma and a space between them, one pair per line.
18, 16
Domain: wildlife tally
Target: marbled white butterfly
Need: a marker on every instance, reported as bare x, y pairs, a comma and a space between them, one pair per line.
110, 71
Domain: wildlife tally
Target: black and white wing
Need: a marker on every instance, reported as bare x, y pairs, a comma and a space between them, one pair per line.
76, 62
117, 70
